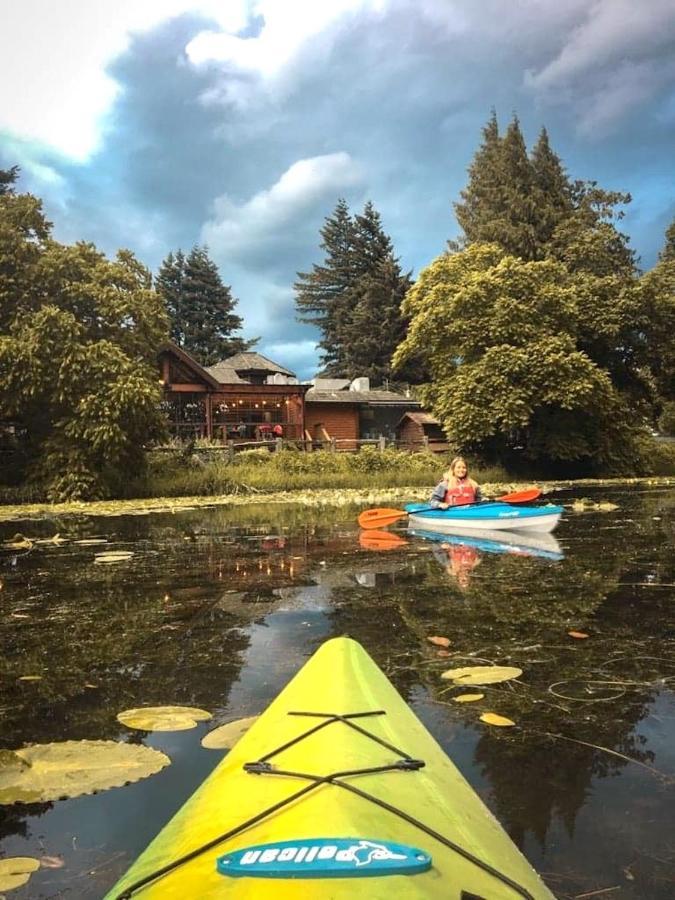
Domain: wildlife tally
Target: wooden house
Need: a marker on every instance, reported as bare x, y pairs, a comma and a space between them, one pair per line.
348, 411
418, 429
242, 397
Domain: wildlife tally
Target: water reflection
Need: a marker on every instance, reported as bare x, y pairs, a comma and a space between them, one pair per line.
217, 609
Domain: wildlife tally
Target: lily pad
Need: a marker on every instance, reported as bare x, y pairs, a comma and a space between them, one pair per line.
42, 772
226, 736
163, 718
482, 674
491, 718
468, 698
15, 871
114, 557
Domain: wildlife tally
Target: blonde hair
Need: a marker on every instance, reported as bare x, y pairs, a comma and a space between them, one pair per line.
450, 476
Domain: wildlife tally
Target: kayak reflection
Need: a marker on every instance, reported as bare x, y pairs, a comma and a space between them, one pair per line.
461, 553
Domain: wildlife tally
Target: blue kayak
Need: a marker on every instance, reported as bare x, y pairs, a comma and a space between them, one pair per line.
494, 516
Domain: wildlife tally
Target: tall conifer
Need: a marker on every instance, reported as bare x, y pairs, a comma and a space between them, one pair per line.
201, 307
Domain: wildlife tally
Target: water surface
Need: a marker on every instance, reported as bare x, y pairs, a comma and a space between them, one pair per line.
218, 608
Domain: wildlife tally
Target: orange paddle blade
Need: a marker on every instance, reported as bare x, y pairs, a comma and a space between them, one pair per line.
521, 496
380, 517
380, 540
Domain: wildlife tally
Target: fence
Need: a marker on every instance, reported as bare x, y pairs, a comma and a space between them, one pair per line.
230, 448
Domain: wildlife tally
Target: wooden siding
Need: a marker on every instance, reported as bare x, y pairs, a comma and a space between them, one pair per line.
324, 421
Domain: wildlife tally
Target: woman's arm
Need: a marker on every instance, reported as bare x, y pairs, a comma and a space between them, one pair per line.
438, 496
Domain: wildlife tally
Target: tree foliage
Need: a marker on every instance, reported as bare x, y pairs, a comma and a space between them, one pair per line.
354, 296
201, 307
501, 339
78, 340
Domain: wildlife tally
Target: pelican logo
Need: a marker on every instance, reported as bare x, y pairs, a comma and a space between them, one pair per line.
324, 858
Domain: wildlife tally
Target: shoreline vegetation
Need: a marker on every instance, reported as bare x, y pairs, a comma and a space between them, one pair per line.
311, 498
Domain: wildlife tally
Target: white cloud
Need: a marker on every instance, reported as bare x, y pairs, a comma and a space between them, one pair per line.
287, 26
237, 231
54, 89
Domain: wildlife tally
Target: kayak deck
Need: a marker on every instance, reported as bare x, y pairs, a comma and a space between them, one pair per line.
307, 736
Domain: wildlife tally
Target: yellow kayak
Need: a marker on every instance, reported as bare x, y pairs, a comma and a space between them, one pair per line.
337, 792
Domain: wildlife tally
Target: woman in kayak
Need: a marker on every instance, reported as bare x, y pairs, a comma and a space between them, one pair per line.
456, 488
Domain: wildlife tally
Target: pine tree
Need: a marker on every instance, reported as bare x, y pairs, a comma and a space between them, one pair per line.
377, 326
553, 192
354, 297
482, 199
168, 283
201, 307
667, 253
8, 178
322, 295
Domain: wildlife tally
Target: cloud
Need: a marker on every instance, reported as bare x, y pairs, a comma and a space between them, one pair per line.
300, 357
619, 55
54, 87
252, 232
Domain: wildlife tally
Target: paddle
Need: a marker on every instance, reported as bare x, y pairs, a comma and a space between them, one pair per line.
380, 540
380, 517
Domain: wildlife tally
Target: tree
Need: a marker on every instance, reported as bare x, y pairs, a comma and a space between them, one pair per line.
354, 297
499, 337
377, 326
78, 340
8, 178
200, 306
322, 295
553, 191
667, 253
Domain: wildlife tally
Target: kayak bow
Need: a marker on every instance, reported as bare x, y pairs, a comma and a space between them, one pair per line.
337, 780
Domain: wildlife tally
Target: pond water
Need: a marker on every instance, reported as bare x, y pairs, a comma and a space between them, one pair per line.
218, 608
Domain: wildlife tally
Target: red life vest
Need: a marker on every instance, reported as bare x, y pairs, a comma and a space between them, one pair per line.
463, 492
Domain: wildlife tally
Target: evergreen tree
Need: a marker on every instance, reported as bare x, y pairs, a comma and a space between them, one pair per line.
201, 307
322, 295
169, 283
377, 326
553, 192
8, 178
667, 253
359, 286
482, 204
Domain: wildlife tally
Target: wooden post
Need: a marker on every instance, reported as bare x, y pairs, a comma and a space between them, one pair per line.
333, 445
230, 450
382, 442
278, 444
425, 441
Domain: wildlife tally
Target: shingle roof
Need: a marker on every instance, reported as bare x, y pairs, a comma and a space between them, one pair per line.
225, 374
331, 384
388, 397
242, 362
422, 418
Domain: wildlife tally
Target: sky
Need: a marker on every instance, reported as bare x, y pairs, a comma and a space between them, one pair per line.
238, 124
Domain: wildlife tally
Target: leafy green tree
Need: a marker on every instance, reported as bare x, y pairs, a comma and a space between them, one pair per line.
354, 296
200, 306
499, 337
78, 340
658, 290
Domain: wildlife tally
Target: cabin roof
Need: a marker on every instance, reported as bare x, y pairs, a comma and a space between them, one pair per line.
370, 397
255, 362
